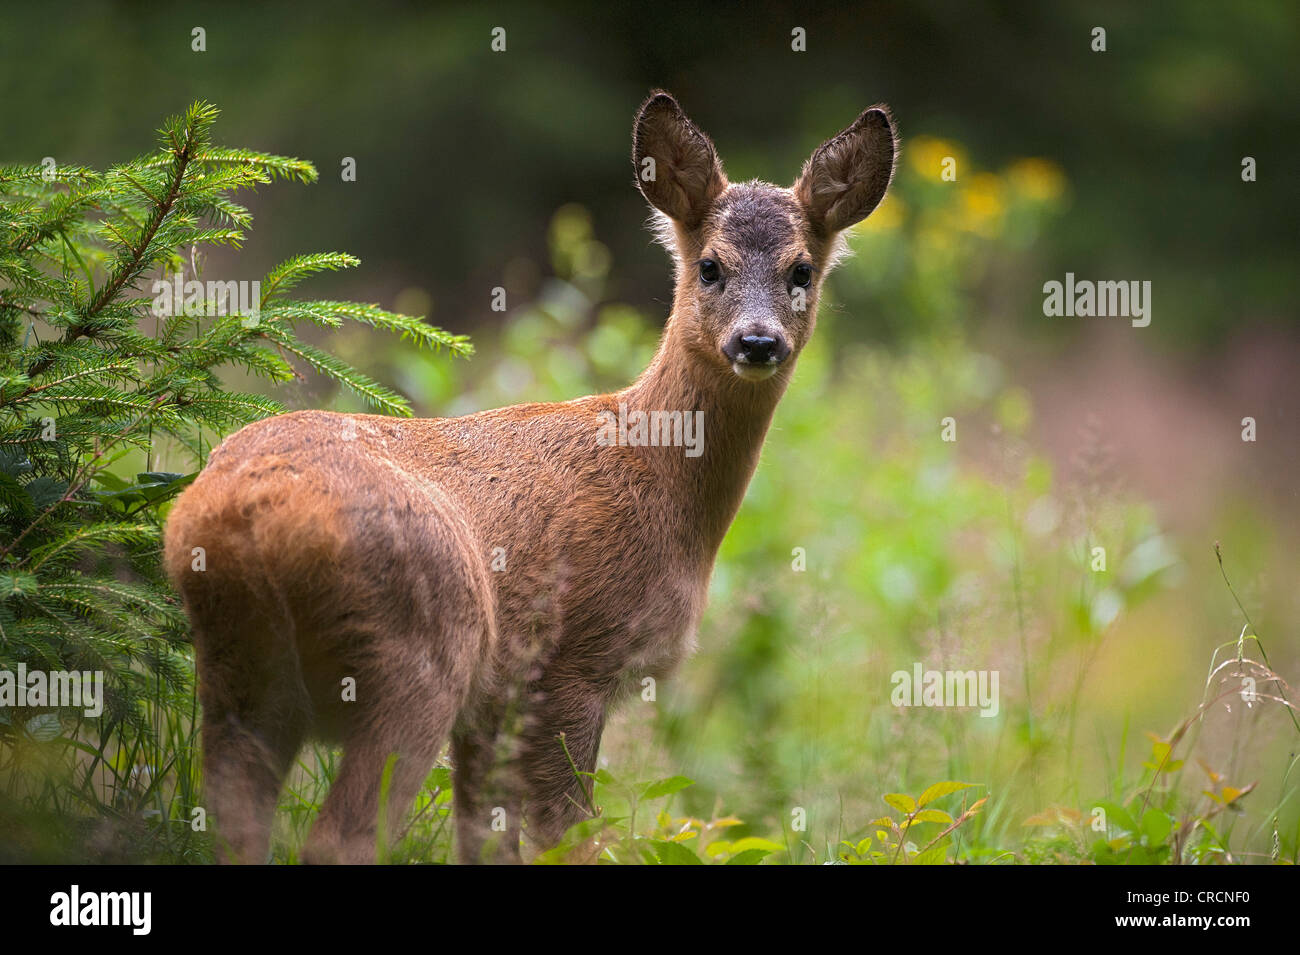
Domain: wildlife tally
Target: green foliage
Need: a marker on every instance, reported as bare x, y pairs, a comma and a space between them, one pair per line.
98, 378
973, 555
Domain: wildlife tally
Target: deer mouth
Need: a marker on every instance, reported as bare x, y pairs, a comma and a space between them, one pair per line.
751, 372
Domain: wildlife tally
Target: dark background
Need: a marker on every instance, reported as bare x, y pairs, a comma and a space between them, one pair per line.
463, 154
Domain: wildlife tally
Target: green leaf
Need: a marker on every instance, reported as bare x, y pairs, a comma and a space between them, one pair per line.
163, 485
158, 477
901, 801
748, 857
674, 853
666, 787
577, 834
937, 854
1118, 816
754, 842
93, 537
933, 815
292, 271
13, 585
14, 497
46, 490
1156, 826
13, 463
938, 790
340, 371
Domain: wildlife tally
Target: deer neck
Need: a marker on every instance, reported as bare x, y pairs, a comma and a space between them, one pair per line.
706, 490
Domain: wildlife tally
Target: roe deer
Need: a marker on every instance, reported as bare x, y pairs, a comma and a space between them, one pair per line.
460, 573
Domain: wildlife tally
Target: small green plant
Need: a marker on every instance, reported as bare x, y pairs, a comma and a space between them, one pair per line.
616, 832
893, 841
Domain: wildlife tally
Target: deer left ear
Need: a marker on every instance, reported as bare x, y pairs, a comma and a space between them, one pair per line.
847, 176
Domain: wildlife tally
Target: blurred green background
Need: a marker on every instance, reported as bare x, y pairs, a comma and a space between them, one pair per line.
478, 169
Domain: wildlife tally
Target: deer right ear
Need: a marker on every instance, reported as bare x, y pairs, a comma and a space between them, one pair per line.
677, 168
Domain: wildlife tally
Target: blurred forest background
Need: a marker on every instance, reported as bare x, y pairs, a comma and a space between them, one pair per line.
477, 169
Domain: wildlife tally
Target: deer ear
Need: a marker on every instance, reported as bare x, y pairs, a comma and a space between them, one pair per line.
677, 168
847, 176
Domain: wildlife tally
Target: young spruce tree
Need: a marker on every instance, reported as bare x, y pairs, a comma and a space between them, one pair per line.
97, 369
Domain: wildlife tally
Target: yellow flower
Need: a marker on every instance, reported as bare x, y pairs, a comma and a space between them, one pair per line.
982, 204
1039, 179
926, 156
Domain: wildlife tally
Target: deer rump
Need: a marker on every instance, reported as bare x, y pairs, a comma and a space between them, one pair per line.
319, 567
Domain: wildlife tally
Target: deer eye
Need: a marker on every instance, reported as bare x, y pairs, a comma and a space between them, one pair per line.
709, 271
802, 275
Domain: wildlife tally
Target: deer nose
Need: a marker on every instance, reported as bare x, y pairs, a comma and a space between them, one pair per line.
759, 349
756, 349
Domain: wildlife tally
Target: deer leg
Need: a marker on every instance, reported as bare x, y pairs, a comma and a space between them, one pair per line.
404, 724
485, 793
561, 734
244, 768
254, 720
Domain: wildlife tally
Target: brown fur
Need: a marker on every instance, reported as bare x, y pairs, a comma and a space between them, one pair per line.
362, 546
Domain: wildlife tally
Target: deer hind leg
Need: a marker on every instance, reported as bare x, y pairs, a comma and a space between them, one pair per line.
418, 629
407, 728
486, 795
254, 720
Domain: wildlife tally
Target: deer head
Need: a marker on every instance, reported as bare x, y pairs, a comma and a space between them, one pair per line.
751, 257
